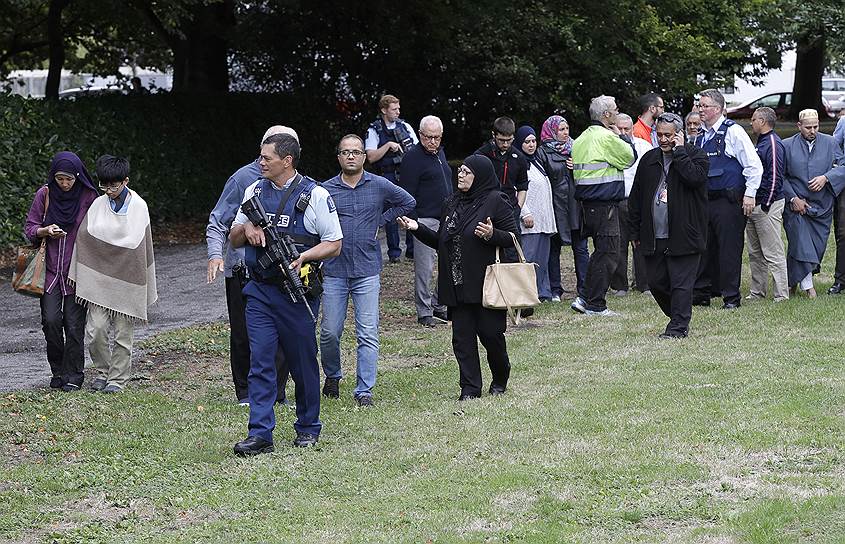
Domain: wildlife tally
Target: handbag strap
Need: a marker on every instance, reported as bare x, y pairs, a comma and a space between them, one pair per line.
518, 248
44, 217
515, 315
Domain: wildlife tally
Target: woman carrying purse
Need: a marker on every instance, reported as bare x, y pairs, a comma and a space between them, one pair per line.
71, 192
475, 220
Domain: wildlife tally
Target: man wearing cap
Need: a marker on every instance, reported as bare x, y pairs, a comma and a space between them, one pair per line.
732, 183
234, 271
811, 184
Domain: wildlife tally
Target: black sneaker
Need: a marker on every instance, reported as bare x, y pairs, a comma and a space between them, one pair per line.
254, 445
305, 440
364, 401
427, 321
441, 315
56, 382
331, 388
70, 387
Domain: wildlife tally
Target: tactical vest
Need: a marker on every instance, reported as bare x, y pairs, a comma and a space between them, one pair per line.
291, 222
390, 161
725, 172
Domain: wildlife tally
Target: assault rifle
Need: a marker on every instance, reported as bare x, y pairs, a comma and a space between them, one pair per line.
280, 252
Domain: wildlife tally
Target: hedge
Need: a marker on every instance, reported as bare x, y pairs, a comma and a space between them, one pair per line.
182, 148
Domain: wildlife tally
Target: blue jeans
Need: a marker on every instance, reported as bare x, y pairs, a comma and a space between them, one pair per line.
581, 258
365, 295
536, 249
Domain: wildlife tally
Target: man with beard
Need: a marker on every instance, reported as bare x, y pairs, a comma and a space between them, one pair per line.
811, 185
364, 203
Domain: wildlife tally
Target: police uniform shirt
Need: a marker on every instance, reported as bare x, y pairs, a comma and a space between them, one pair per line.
372, 138
320, 216
738, 145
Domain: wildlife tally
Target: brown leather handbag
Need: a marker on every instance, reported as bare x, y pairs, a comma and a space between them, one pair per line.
30, 265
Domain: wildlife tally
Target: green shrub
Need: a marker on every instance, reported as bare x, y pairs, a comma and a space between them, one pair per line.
182, 148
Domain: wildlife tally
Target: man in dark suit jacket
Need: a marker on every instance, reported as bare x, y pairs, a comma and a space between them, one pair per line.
668, 220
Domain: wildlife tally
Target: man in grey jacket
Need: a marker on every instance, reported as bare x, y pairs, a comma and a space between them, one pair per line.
232, 267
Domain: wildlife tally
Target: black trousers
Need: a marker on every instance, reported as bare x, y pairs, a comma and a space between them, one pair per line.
63, 323
239, 345
720, 269
473, 322
601, 223
672, 280
839, 235
619, 281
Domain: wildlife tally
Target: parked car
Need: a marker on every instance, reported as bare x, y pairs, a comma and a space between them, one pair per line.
833, 87
780, 102
74, 92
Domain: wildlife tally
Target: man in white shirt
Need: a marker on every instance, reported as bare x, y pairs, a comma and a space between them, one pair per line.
619, 280
733, 180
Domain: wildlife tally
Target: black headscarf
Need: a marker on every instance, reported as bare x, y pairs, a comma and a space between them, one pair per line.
521, 134
461, 206
64, 205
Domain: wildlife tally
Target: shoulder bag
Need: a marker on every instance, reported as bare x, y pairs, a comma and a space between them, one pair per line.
510, 286
30, 265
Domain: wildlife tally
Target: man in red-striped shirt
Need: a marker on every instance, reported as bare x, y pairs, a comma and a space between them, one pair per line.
765, 246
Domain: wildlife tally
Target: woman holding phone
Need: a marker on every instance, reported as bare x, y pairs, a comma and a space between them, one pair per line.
56, 212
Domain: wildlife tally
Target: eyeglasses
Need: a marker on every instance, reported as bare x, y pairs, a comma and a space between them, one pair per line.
708, 106
431, 137
464, 170
351, 153
113, 186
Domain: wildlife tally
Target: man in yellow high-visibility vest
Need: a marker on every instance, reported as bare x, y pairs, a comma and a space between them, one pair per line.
600, 154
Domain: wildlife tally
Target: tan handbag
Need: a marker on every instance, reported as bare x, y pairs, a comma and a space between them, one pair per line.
30, 265
510, 286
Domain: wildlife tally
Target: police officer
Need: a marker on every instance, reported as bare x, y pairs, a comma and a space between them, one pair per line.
298, 207
219, 223
388, 137
733, 179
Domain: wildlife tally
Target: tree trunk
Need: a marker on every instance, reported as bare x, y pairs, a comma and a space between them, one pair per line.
201, 58
809, 69
56, 44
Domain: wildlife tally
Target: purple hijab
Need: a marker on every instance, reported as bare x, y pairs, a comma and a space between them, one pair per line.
548, 135
64, 205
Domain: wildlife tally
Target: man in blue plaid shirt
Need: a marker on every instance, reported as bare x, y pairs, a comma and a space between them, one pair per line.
360, 198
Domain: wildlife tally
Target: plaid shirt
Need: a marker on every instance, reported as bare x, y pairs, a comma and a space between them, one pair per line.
361, 210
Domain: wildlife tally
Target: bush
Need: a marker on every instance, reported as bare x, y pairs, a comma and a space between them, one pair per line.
182, 148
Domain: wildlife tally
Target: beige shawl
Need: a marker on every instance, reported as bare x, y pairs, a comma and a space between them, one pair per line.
113, 264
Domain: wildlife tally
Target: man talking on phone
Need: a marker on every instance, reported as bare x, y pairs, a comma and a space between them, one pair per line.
668, 220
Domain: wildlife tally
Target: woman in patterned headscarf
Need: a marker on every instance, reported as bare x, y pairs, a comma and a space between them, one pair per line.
55, 214
555, 154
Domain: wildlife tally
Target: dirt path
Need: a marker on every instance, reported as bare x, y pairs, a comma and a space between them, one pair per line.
184, 299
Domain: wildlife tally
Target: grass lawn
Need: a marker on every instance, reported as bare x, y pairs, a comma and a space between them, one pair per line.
606, 435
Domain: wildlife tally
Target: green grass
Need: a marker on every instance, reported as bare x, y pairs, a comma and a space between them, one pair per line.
606, 435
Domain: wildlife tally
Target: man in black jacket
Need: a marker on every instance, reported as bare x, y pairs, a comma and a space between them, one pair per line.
668, 220
427, 176
510, 165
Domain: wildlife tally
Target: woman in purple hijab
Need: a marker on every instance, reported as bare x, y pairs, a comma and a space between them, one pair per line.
71, 193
